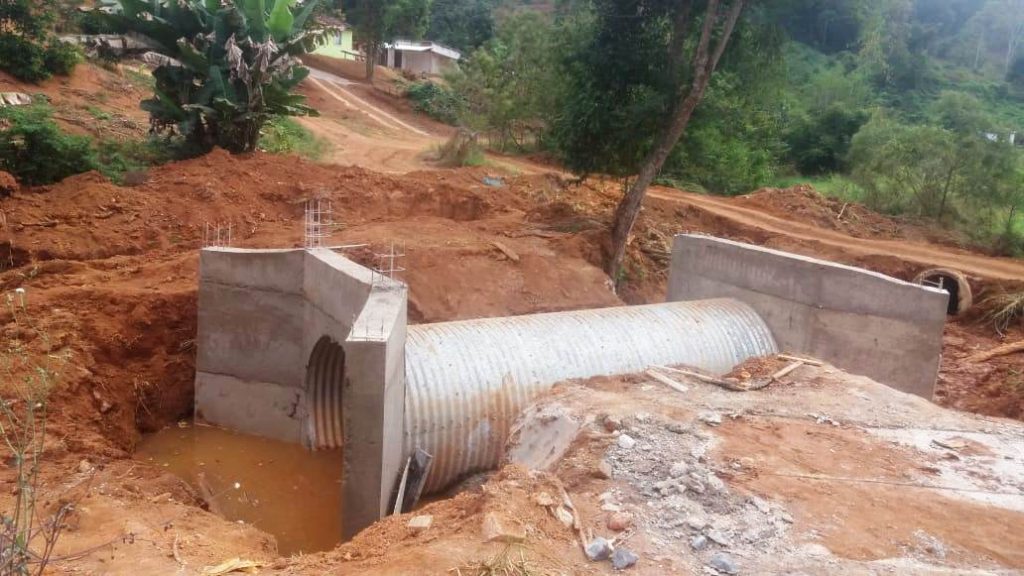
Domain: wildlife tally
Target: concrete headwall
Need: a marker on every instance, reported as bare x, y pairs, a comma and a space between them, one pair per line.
250, 339
861, 321
307, 347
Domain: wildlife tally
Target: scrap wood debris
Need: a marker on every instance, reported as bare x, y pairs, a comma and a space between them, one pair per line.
1002, 350
753, 374
233, 565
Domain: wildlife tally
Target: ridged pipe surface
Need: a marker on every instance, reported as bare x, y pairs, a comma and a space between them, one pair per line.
323, 383
468, 380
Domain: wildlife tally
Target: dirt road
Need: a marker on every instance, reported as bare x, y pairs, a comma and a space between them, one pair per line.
919, 253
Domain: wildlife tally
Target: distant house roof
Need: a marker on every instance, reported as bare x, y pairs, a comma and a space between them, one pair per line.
425, 46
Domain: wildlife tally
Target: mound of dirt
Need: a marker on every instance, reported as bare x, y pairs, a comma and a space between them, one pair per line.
8, 184
805, 204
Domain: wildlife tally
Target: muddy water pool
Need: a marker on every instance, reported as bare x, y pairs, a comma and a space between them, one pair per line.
282, 489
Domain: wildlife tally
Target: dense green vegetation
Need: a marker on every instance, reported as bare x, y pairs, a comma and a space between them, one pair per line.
232, 66
29, 50
283, 135
904, 105
35, 150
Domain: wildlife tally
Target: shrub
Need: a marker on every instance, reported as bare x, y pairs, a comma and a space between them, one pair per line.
61, 58
22, 59
28, 49
283, 135
461, 149
819, 144
33, 148
28, 532
436, 101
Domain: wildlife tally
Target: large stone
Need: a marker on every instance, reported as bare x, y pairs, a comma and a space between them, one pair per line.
620, 521
623, 559
723, 563
626, 442
420, 523
497, 528
599, 549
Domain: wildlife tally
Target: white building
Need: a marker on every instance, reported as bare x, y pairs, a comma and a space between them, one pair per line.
422, 58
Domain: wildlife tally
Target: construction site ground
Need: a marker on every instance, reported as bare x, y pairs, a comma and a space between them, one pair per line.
824, 472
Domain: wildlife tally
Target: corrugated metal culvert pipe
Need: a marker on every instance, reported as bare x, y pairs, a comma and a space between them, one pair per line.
467, 381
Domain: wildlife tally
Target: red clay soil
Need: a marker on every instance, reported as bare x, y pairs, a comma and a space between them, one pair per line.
110, 277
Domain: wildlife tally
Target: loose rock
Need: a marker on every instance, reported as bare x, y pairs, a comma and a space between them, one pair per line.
723, 563
420, 523
543, 499
623, 559
599, 549
604, 470
498, 529
620, 521
626, 442
564, 516
8, 185
678, 469
710, 418
718, 538
699, 542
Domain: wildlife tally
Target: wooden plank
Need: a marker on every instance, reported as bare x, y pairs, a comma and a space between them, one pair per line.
667, 381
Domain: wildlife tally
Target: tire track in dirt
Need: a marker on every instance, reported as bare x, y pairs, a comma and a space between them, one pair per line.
338, 92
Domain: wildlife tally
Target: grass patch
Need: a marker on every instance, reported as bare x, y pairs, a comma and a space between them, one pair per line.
140, 78
116, 159
98, 113
834, 186
283, 135
1004, 309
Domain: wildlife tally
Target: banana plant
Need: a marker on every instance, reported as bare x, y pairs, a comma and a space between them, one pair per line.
229, 66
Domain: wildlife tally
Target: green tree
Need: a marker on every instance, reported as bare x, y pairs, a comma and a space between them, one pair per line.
819, 143
378, 22
1016, 74
461, 24
930, 170
617, 88
696, 35
961, 113
230, 66
509, 85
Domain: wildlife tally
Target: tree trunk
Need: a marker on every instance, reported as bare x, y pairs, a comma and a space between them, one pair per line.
945, 190
703, 66
372, 53
977, 50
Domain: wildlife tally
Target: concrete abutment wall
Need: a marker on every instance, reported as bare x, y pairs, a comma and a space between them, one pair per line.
861, 321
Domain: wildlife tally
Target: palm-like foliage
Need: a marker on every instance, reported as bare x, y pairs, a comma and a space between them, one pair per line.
230, 65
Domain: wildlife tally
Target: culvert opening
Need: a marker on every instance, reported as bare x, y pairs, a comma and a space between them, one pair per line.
288, 490
954, 283
325, 374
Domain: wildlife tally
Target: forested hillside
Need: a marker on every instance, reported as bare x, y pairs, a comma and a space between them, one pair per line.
908, 106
